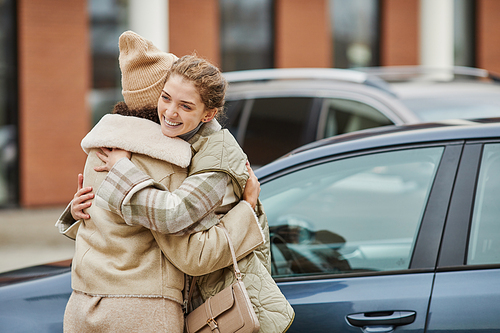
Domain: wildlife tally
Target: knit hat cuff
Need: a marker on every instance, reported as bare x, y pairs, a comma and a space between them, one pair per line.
144, 69
146, 97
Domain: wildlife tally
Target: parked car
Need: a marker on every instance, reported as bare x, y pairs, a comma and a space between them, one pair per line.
396, 227
273, 111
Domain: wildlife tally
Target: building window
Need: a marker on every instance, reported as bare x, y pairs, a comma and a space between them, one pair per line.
108, 21
246, 34
8, 106
355, 31
464, 32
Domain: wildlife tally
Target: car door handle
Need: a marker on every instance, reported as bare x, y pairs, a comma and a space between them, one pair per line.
393, 318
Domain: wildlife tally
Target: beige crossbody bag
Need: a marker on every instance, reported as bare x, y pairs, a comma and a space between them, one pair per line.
228, 311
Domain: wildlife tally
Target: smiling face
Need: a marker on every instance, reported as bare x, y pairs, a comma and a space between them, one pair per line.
180, 107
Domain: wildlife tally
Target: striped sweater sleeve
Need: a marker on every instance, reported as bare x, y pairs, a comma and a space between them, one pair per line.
132, 194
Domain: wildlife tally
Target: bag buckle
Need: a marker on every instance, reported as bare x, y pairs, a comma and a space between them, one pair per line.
212, 323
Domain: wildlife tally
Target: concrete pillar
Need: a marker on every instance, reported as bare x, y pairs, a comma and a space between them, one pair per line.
436, 33
149, 18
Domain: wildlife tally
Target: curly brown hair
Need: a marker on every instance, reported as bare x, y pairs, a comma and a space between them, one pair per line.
207, 78
149, 113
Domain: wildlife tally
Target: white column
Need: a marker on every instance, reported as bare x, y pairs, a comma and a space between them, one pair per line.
149, 18
436, 33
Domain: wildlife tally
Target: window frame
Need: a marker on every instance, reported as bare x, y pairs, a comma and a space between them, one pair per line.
230, 47
455, 244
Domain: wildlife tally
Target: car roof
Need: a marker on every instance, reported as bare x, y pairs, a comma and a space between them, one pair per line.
390, 79
318, 83
384, 137
418, 81
305, 74
425, 73
414, 90
296, 73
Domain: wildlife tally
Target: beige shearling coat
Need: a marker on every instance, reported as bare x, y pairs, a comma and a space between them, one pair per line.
113, 259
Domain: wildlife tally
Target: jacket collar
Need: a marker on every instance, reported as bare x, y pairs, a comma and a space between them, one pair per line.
137, 135
205, 130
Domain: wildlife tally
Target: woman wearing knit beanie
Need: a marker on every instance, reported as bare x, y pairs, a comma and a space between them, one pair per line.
192, 96
129, 277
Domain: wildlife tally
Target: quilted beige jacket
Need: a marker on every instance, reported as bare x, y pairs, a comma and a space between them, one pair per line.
219, 151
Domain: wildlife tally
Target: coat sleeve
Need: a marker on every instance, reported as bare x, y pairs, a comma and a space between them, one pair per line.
66, 224
207, 251
139, 200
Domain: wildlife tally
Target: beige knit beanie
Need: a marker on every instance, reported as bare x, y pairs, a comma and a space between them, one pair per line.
144, 69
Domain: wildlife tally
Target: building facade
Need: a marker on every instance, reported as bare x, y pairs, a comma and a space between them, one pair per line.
59, 72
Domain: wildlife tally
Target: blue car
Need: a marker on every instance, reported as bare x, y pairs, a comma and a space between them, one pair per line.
389, 229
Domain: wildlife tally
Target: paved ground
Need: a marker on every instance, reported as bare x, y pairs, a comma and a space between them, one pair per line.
28, 237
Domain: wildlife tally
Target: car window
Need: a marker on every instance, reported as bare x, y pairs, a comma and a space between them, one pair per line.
343, 116
352, 215
484, 241
268, 128
233, 112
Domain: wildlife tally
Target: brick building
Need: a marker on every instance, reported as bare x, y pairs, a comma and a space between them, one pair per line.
49, 66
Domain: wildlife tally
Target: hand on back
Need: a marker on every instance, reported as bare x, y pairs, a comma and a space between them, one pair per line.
252, 188
81, 200
110, 157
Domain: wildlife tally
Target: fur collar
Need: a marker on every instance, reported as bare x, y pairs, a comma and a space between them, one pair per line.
137, 135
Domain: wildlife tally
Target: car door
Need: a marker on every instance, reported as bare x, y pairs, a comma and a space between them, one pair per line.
355, 238
466, 294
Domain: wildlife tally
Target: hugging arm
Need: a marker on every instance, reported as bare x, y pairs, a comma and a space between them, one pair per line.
204, 252
140, 200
